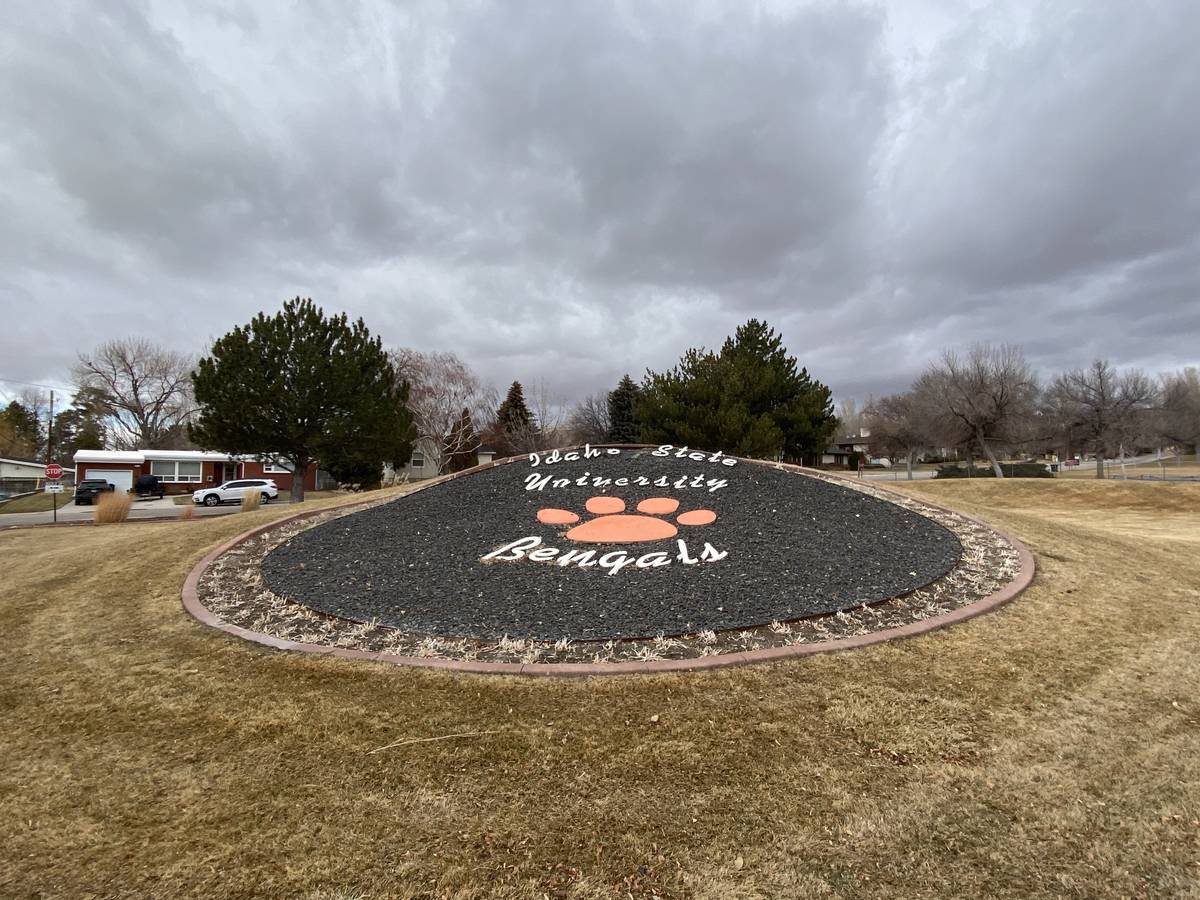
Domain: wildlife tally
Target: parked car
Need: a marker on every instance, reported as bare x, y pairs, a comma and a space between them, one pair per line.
234, 491
89, 489
148, 486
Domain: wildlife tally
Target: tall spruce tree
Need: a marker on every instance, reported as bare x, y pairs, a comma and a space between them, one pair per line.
623, 424
307, 387
516, 427
79, 427
23, 434
751, 399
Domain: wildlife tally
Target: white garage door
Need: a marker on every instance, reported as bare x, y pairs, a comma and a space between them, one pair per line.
122, 478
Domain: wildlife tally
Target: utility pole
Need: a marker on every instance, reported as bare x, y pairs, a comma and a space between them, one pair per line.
50, 452
50, 431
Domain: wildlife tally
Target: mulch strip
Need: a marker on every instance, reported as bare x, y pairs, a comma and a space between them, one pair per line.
227, 591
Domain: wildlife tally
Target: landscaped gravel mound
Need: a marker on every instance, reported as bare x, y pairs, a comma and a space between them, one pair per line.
726, 544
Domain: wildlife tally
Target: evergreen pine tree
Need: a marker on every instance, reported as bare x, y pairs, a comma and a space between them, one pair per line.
750, 400
623, 425
24, 436
516, 427
307, 387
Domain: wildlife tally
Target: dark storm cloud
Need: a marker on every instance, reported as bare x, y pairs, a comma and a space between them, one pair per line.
572, 190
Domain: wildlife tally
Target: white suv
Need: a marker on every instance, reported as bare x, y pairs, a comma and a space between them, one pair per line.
234, 490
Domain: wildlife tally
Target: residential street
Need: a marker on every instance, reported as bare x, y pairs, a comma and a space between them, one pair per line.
144, 509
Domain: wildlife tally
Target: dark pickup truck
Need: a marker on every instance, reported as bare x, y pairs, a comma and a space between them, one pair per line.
89, 489
148, 486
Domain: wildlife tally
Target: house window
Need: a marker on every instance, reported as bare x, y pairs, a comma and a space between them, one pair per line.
277, 467
174, 470
418, 460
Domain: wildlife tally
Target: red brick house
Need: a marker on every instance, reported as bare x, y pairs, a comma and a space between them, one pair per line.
182, 471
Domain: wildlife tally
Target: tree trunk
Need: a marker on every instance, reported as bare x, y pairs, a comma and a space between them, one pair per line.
1099, 464
987, 451
299, 470
911, 454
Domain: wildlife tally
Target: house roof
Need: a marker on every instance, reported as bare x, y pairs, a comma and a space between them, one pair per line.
26, 462
137, 457
109, 456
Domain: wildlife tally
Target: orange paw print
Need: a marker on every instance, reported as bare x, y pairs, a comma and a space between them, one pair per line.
611, 527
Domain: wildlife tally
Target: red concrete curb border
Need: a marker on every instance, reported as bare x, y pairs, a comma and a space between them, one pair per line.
191, 603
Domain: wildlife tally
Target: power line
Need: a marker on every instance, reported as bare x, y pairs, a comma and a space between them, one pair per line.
49, 387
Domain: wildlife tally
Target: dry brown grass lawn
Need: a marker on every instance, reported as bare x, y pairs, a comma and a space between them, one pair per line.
41, 502
1051, 749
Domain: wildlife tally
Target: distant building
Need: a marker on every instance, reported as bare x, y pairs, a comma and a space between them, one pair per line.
839, 452
183, 471
26, 468
423, 462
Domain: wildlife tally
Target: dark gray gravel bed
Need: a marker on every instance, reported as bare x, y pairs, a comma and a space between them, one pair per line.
797, 546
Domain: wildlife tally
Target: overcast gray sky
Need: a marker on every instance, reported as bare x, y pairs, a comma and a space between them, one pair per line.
569, 190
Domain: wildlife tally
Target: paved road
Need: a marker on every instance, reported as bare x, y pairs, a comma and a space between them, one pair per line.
141, 509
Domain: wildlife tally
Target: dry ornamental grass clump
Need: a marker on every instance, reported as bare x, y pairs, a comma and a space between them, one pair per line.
251, 500
113, 507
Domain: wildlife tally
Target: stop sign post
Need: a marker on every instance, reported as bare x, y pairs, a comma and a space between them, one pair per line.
53, 473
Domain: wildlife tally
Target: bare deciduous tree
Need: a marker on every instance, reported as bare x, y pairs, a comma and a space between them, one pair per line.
898, 426
1179, 408
850, 417
588, 422
1101, 408
441, 386
987, 397
144, 391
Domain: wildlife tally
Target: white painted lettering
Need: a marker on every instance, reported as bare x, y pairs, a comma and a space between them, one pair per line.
653, 560
581, 558
535, 482
515, 550
615, 561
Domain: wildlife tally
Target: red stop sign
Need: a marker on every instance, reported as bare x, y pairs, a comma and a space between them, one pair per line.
54, 471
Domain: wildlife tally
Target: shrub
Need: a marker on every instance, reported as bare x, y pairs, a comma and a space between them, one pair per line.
188, 512
1011, 470
251, 500
113, 507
